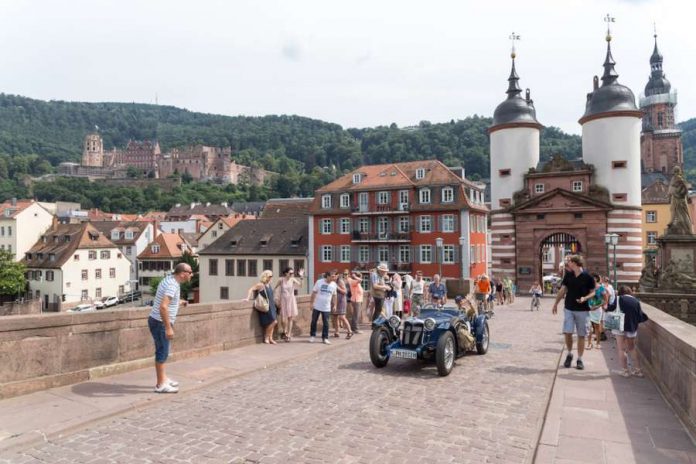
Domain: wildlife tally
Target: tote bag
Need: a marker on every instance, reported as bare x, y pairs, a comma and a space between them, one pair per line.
614, 320
261, 303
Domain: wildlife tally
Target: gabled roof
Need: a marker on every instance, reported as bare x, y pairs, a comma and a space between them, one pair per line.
170, 246
107, 227
10, 210
656, 193
60, 242
199, 208
248, 207
572, 200
282, 236
287, 207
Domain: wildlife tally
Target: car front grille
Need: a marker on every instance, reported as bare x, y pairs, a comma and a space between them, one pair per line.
412, 335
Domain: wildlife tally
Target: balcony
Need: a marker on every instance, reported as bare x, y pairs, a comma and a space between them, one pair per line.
387, 237
380, 209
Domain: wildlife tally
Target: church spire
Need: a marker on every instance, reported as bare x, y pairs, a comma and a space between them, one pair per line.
610, 75
513, 81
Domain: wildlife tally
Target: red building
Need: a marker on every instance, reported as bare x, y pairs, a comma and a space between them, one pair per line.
419, 215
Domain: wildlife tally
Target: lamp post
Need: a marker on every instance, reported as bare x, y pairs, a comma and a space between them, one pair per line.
613, 240
462, 243
438, 245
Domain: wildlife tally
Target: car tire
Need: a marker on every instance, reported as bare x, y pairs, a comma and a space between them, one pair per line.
379, 340
445, 353
482, 346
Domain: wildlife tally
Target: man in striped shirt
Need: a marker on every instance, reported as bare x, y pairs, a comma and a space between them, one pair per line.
161, 322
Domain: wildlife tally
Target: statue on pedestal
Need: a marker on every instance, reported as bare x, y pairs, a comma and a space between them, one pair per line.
678, 193
648, 278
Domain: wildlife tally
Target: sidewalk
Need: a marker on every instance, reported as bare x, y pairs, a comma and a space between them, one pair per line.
40, 416
598, 416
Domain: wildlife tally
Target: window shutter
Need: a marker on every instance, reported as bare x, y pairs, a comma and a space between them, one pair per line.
457, 258
439, 222
416, 255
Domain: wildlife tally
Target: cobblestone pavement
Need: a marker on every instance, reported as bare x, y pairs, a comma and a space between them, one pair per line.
336, 407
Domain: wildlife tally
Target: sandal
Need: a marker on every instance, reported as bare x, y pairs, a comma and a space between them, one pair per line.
637, 372
588, 347
625, 373
350, 334
272, 342
336, 335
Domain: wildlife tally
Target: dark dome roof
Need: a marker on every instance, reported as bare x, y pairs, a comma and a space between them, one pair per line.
515, 109
657, 85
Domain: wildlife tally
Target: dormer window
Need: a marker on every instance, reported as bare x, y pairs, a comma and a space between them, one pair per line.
129, 235
28, 255
295, 243
51, 256
357, 178
115, 235
66, 238
155, 249
420, 173
345, 200
39, 256
44, 238
447, 195
326, 201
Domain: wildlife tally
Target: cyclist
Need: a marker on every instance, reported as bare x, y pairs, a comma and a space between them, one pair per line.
536, 293
483, 289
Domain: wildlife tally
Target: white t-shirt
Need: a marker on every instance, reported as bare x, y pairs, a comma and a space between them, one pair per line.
324, 293
417, 287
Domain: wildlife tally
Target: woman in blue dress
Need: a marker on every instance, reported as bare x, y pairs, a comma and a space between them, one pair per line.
267, 319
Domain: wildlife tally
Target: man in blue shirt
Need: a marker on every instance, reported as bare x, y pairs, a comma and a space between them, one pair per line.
437, 291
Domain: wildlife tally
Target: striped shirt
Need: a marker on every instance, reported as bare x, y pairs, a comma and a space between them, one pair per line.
169, 287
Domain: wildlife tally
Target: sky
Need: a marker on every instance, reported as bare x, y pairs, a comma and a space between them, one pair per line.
361, 63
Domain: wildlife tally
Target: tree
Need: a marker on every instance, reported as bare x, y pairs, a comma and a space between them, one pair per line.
154, 283
12, 281
188, 287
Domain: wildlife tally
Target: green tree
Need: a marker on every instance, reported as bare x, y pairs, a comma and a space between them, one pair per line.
188, 287
12, 280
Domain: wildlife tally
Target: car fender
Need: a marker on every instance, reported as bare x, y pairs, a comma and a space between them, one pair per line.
479, 324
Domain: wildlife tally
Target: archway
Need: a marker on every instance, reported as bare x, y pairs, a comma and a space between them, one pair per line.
552, 251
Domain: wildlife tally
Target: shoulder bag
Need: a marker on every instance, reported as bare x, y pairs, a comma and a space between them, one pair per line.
614, 320
261, 303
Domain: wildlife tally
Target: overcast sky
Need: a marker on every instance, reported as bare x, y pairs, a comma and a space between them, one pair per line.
359, 63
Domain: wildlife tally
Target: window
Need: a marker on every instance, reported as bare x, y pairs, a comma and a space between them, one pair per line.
538, 188
618, 164
98, 292
97, 273
403, 200
326, 201
540, 217
660, 119
577, 215
241, 267
76, 257
9, 231
105, 254
283, 264
448, 223
448, 254
344, 200
652, 238
326, 253
420, 173
92, 254
224, 293
84, 295
115, 234
447, 195
298, 264
213, 267
112, 272
268, 266
383, 253
651, 216
155, 249
345, 253
403, 224
383, 198
619, 197
504, 172
424, 196
229, 267
129, 235
51, 256
364, 253
121, 289
84, 274
129, 250
404, 254
425, 224
49, 276
326, 226
364, 225
344, 225
252, 268
504, 202
382, 226
577, 186
213, 234
357, 178
426, 254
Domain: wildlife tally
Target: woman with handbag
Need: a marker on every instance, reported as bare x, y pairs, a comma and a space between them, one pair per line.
627, 304
261, 294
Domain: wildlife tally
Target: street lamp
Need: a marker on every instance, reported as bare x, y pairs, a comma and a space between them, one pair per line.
613, 240
438, 245
465, 270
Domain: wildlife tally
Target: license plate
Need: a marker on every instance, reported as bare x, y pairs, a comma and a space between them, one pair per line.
405, 354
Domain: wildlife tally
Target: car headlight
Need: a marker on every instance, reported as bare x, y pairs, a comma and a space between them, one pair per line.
429, 323
394, 322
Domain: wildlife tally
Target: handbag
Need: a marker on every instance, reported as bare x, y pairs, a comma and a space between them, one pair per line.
261, 303
614, 320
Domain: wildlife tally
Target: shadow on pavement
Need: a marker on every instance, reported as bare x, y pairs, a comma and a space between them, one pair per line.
549, 350
415, 369
101, 390
521, 370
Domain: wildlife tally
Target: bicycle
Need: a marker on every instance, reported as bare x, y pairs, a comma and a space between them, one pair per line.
484, 306
536, 302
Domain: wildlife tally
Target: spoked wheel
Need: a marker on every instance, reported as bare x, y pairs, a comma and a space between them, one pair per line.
445, 353
378, 348
482, 346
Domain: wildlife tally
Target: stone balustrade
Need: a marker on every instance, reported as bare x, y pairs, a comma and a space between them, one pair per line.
48, 350
668, 348
679, 305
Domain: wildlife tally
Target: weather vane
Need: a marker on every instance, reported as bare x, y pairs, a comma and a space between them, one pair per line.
609, 19
513, 38
655, 28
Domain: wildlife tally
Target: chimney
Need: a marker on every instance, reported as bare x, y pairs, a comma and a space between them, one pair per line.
14, 201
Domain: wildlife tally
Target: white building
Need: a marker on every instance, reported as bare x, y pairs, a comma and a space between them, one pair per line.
160, 257
234, 262
218, 228
73, 263
21, 224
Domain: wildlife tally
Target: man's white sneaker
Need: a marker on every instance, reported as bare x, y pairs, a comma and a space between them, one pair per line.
311, 339
166, 388
173, 383
326, 341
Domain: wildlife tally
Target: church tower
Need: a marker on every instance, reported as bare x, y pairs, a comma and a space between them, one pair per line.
514, 148
93, 151
660, 141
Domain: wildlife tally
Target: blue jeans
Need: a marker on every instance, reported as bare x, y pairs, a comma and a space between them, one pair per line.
159, 336
324, 324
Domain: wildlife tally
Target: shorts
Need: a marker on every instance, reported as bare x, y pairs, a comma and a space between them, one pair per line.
625, 334
417, 299
481, 296
575, 321
159, 336
596, 316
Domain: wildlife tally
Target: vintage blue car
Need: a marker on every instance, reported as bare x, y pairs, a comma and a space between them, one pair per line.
439, 333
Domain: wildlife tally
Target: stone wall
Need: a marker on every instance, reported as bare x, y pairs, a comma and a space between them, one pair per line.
668, 348
679, 305
48, 350
12, 308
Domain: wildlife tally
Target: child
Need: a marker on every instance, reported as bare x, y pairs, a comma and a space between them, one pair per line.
598, 300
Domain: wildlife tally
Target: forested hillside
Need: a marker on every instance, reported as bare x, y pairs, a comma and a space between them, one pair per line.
36, 135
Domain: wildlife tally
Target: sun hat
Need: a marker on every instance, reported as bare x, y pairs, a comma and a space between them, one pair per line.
383, 267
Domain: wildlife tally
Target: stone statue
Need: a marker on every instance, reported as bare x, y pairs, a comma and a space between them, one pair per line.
671, 277
648, 278
678, 193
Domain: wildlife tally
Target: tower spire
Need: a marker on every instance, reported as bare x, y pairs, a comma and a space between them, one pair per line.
610, 75
513, 85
